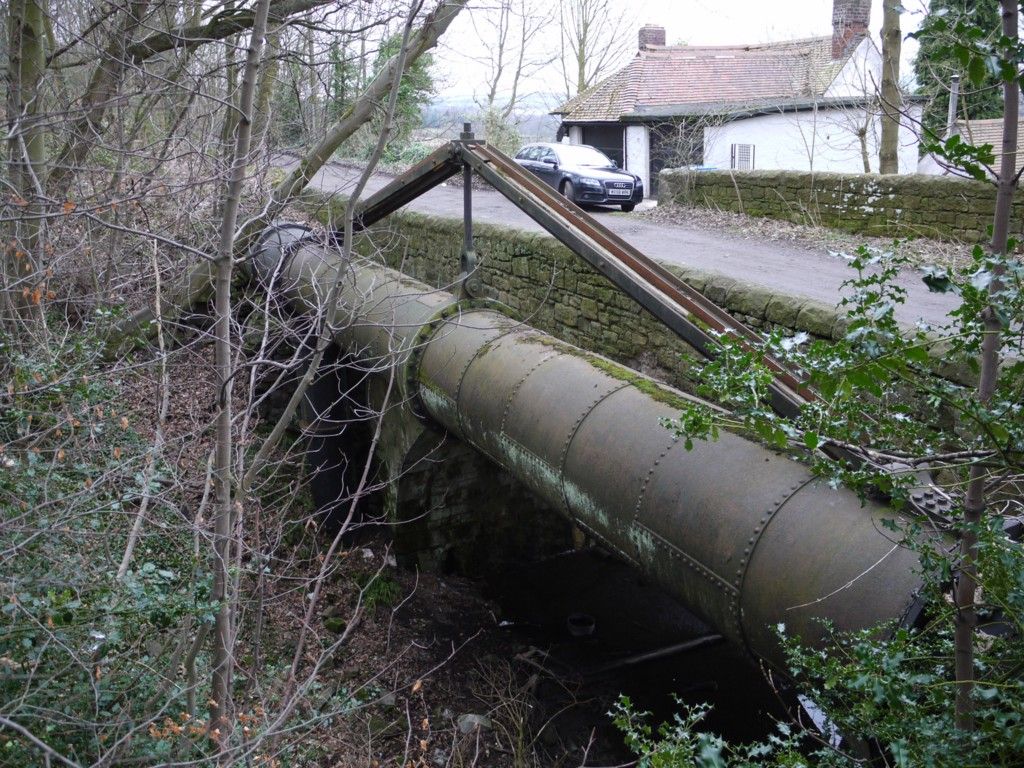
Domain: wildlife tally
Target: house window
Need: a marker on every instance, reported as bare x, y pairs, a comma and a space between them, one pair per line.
742, 157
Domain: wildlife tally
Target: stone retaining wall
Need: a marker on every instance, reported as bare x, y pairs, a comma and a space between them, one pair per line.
900, 206
547, 286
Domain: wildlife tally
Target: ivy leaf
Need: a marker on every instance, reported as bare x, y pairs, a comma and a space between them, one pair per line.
864, 379
710, 754
981, 279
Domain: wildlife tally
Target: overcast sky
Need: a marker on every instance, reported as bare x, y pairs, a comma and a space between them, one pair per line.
694, 22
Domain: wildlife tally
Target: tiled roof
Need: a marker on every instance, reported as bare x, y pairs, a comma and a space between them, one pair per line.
980, 132
687, 78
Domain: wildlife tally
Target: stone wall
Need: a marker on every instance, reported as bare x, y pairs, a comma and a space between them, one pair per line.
900, 206
547, 286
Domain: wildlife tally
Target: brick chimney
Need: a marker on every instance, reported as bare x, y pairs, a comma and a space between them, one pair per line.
849, 24
651, 34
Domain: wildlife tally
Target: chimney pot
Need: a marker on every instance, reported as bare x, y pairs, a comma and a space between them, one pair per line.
651, 35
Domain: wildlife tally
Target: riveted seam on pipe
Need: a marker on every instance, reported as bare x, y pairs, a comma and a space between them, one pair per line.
608, 543
518, 385
649, 475
506, 439
748, 553
286, 250
422, 340
572, 434
759, 529
689, 560
481, 348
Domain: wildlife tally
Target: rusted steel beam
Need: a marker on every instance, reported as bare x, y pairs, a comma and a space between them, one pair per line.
436, 168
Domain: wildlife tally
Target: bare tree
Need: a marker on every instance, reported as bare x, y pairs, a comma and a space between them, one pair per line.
592, 44
220, 689
975, 502
513, 31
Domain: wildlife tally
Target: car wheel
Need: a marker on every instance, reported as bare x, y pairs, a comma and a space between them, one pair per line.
569, 191
627, 207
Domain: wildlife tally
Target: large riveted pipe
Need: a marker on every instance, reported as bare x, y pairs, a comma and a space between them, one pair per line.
744, 536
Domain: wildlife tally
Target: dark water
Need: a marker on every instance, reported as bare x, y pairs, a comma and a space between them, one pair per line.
630, 618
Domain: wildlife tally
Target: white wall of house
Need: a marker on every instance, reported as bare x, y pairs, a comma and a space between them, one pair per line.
638, 153
575, 134
811, 140
932, 166
861, 74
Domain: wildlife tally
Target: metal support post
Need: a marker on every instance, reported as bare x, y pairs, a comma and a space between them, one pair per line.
470, 281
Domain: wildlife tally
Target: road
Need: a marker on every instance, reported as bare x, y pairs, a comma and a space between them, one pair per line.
798, 271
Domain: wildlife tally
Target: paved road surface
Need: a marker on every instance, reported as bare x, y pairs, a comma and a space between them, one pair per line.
793, 270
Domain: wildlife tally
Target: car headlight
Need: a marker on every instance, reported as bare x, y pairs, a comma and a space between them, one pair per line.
588, 182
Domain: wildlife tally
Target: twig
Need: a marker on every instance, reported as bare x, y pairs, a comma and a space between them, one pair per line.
158, 440
47, 750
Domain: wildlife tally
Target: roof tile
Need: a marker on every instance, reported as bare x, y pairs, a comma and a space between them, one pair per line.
980, 132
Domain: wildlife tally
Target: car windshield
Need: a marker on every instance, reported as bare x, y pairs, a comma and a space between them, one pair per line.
581, 155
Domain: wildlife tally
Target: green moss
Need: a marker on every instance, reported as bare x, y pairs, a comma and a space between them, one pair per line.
648, 386
427, 384
335, 624
378, 590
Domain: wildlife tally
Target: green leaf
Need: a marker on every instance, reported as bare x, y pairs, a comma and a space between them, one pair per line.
917, 355
710, 754
999, 433
811, 440
976, 70
900, 753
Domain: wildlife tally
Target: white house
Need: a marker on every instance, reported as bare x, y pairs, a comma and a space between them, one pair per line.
807, 105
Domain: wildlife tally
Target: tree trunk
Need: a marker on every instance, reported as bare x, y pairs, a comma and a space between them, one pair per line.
193, 35
102, 89
268, 80
223, 661
27, 158
865, 156
888, 150
974, 505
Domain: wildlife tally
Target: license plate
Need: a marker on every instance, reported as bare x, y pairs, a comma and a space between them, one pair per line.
620, 192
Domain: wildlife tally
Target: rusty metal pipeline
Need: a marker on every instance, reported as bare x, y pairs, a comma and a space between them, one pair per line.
744, 536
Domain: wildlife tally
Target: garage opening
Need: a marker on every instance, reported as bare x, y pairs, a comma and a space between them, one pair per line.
610, 139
